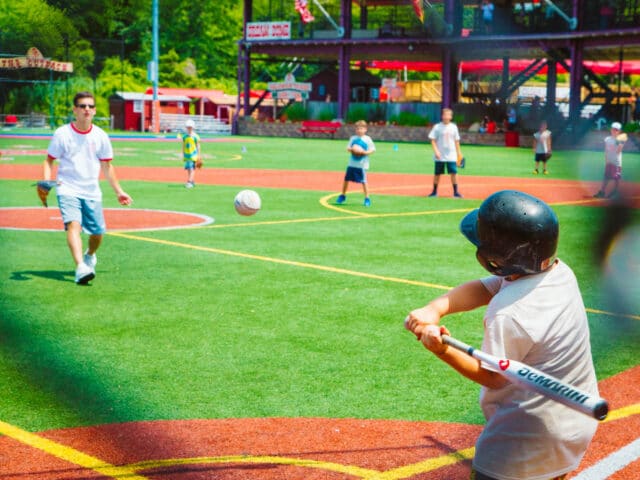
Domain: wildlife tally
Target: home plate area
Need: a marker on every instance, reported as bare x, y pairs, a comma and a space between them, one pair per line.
118, 219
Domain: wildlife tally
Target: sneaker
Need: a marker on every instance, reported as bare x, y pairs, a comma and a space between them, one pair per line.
535, 172
84, 274
367, 202
433, 194
90, 260
189, 185
457, 195
341, 199
546, 172
600, 194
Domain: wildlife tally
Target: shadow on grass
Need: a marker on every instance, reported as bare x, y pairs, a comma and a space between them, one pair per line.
60, 276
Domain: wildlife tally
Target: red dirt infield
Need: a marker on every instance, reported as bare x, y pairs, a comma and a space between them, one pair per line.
472, 187
298, 448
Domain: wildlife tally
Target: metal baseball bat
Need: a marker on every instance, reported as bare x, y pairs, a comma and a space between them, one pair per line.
533, 379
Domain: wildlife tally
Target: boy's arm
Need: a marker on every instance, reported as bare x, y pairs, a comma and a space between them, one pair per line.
436, 152
464, 364
462, 298
371, 149
109, 173
46, 167
458, 152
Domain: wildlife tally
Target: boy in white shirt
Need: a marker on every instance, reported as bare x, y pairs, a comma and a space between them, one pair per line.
445, 141
83, 150
613, 145
542, 147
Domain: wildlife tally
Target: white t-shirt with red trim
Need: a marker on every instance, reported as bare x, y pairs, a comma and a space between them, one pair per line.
80, 154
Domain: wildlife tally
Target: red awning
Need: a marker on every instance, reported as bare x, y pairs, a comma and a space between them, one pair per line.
488, 67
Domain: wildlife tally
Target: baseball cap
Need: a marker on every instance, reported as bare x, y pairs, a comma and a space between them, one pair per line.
189, 123
616, 125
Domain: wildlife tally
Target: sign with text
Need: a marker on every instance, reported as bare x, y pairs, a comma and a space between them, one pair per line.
290, 88
35, 59
268, 31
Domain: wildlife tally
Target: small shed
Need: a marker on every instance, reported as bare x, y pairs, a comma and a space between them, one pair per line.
132, 111
206, 102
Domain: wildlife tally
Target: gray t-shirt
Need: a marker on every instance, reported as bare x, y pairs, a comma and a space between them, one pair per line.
539, 320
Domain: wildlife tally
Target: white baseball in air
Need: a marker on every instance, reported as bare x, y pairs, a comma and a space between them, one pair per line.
247, 202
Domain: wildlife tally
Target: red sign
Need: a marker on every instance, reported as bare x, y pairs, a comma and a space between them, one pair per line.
268, 31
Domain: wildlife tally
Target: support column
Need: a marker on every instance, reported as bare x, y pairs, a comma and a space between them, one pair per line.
345, 17
453, 17
449, 76
364, 16
344, 61
552, 81
344, 89
505, 80
246, 67
242, 71
575, 82
246, 58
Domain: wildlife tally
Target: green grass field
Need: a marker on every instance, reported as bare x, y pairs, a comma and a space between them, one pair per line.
182, 330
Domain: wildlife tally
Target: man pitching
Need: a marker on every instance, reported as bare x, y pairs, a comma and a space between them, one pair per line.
83, 150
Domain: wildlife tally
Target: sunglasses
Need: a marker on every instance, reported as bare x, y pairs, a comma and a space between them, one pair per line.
85, 105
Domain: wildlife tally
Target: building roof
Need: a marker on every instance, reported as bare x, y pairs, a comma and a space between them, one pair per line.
188, 92
147, 97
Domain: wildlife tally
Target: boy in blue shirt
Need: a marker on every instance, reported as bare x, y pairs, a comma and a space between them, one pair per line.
360, 146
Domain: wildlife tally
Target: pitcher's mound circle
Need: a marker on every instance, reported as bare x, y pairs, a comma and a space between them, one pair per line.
118, 219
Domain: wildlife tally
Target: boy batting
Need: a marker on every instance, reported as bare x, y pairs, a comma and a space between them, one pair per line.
535, 315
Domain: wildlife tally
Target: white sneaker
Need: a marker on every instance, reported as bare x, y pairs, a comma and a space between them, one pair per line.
188, 185
84, 274
90, 260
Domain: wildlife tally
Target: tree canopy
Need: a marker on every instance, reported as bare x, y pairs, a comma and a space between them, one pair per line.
109, 43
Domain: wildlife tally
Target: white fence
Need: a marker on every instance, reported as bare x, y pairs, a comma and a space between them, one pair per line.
173, 122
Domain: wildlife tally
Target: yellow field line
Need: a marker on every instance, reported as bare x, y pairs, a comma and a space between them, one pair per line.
324, 201
424, 466
262, 460
68, 454
324, 268
129, 472
623, 412
613, 314
281, 261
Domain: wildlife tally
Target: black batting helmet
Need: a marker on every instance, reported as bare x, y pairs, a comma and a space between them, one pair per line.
515, 233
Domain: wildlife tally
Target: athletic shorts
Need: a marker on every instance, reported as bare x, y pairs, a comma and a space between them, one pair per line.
355, 174
543, 157
439, 167
612, 172
189, 165
481, 476
87, 213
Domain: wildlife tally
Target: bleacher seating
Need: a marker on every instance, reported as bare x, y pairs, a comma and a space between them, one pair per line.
173, 122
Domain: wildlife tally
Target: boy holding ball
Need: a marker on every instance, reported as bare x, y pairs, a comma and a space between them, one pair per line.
360, 146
